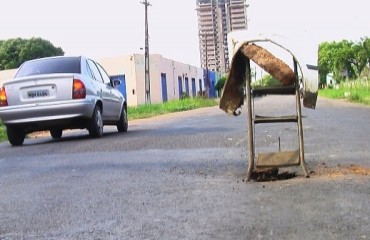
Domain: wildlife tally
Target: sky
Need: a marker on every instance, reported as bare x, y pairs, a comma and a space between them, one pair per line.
101, 29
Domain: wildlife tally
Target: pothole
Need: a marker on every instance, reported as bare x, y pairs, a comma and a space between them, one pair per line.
321, 170
267, 175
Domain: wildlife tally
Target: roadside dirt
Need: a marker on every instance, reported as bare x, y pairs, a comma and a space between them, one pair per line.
321, 171
339, 171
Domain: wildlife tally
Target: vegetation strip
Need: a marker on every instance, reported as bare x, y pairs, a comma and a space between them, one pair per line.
357, 91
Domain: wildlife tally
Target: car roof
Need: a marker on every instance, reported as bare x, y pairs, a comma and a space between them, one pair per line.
53, 57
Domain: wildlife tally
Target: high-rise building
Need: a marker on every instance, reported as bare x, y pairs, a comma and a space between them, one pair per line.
216, 18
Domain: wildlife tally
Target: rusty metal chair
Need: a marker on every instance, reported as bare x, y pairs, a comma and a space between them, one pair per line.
233, 97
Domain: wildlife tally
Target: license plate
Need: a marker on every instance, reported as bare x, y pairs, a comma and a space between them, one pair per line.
38, 93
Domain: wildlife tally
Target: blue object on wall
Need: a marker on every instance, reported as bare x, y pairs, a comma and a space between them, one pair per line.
164, 87
209, 83
193, 87
187, 85
180, 87
200, 87
122, 86
212, 90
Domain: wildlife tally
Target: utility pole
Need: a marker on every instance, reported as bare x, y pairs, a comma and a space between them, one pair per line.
207, 72
147, 71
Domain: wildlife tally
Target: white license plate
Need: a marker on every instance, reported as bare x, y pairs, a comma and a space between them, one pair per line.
38, 93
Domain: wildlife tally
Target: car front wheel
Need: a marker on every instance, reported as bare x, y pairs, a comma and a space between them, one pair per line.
16, 135
96, 123
122, 124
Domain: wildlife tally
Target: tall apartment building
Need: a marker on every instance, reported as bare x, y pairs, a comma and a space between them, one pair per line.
216, 18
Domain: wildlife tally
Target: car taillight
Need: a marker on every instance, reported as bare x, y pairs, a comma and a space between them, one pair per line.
79, 90
3, 99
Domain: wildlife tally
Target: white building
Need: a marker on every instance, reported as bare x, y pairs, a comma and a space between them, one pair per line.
330, 81
169, 80
7, 74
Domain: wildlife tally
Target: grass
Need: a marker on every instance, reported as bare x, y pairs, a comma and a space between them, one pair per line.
354, 91
2, 132
146, 111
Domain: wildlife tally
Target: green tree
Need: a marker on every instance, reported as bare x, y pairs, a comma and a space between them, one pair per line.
1, 66
366, 46
9, 53
269, 80
220, 84
360, 58
14, 52
324, 61
345, 59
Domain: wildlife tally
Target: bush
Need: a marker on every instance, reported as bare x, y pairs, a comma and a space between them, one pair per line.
267, 81
220, 84
2, 132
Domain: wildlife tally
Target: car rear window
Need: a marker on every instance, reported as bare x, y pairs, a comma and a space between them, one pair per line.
50, 65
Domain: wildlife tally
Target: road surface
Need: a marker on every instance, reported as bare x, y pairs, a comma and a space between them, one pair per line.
181, 176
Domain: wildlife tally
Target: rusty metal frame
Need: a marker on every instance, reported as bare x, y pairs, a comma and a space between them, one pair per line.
299, 123
250, 122
233, 98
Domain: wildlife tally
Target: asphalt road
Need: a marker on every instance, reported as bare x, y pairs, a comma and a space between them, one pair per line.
180, 176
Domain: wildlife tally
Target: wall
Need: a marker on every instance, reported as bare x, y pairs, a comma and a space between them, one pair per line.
133, 67
7, 74
171, 69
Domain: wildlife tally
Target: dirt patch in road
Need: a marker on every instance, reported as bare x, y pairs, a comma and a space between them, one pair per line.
319, 171
323, 170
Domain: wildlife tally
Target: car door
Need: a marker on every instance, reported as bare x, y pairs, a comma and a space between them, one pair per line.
115, 96
103, 90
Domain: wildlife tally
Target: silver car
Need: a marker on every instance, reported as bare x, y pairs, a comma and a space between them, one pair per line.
59, 93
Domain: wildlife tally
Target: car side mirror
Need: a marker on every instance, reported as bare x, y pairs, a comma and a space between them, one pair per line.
116, 82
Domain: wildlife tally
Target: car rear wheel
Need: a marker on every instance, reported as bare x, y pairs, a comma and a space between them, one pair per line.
96, 124
56, 133
16, 135
122, 124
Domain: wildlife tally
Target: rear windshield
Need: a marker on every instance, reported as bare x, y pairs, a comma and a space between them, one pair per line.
50, 65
